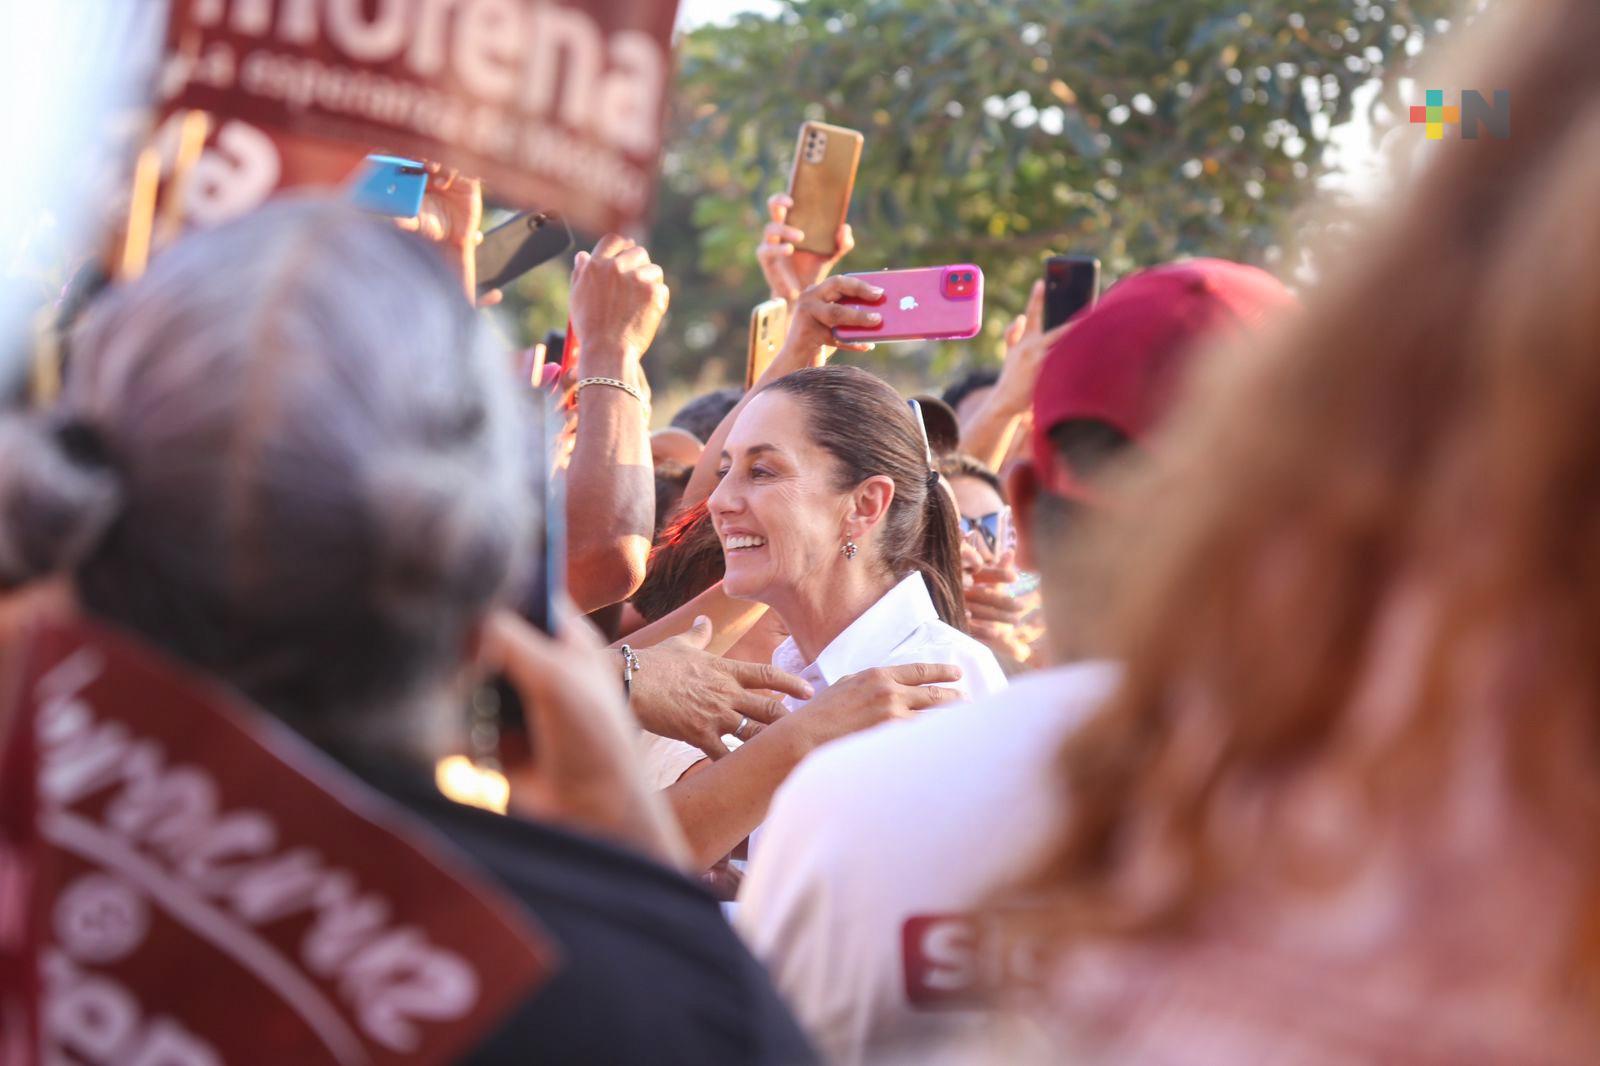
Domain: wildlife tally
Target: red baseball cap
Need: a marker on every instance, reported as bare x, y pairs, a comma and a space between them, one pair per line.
1122, 361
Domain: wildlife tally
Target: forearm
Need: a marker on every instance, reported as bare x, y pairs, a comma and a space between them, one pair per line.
731, 619
988, 434
718, 803
610, 493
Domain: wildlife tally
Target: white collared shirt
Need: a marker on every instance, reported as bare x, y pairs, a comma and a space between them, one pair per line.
880, 846
903, 627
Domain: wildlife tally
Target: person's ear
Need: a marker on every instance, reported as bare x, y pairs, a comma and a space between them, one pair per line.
1022, 489
869, 504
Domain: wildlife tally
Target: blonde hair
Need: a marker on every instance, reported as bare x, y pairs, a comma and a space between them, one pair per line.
1431, 421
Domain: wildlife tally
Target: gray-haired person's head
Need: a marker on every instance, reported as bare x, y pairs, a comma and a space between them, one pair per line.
286, 455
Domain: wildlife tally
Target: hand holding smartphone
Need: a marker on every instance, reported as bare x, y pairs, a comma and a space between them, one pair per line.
546, 582
928, 303
769, 323
1071, 283
389, 185
549, 583
821, 183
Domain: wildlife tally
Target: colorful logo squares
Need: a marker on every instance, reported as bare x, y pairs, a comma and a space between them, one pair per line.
1435, 116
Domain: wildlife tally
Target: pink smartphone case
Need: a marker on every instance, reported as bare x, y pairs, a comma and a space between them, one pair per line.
928, 303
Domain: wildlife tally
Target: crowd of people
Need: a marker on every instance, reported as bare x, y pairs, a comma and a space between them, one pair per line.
1204, 684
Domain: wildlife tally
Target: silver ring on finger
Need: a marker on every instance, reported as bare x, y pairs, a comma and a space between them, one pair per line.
738, 730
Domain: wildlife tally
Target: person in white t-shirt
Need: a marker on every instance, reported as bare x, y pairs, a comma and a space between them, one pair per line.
880, 847
830, 511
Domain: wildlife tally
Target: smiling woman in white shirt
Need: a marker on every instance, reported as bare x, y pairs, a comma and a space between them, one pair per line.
830, 512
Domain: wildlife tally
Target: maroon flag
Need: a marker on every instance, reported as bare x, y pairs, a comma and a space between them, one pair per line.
555, 105
207, 888
19, 978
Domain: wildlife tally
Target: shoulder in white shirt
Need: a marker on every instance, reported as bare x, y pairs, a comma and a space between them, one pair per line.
902, 627
877, 844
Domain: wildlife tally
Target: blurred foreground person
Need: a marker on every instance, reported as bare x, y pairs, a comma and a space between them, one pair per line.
880, 847
1343, 807
289, 457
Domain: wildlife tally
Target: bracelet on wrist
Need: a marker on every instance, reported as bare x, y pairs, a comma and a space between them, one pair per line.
612, 383
630, 665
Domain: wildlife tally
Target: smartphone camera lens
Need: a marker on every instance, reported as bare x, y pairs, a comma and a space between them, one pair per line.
958, 284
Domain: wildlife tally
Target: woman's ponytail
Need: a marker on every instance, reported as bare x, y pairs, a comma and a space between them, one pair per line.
58, 497
940, 555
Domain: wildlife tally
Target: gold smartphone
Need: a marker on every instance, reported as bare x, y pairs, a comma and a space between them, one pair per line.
769, 322
824, 175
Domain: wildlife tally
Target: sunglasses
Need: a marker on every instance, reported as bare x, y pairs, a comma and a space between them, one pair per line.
988, 527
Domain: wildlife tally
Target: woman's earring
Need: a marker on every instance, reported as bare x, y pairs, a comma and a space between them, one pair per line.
849, 549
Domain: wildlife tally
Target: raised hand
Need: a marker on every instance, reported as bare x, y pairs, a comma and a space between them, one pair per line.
452, 217
820, 309
790, 271
617, 302
995, 616
1027, 344
987, 433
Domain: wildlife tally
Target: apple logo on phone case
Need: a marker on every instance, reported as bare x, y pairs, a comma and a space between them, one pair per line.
908, 303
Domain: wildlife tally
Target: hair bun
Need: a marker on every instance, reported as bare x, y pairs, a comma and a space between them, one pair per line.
58, 496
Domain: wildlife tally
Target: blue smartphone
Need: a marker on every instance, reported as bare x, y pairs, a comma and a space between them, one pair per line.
389, 185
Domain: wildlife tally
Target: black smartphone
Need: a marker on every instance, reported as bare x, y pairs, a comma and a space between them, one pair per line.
547, 579
1071, 283
555, 348
518, 245
547, 582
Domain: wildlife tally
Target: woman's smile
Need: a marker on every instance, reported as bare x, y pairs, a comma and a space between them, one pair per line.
775, 508
743, 542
